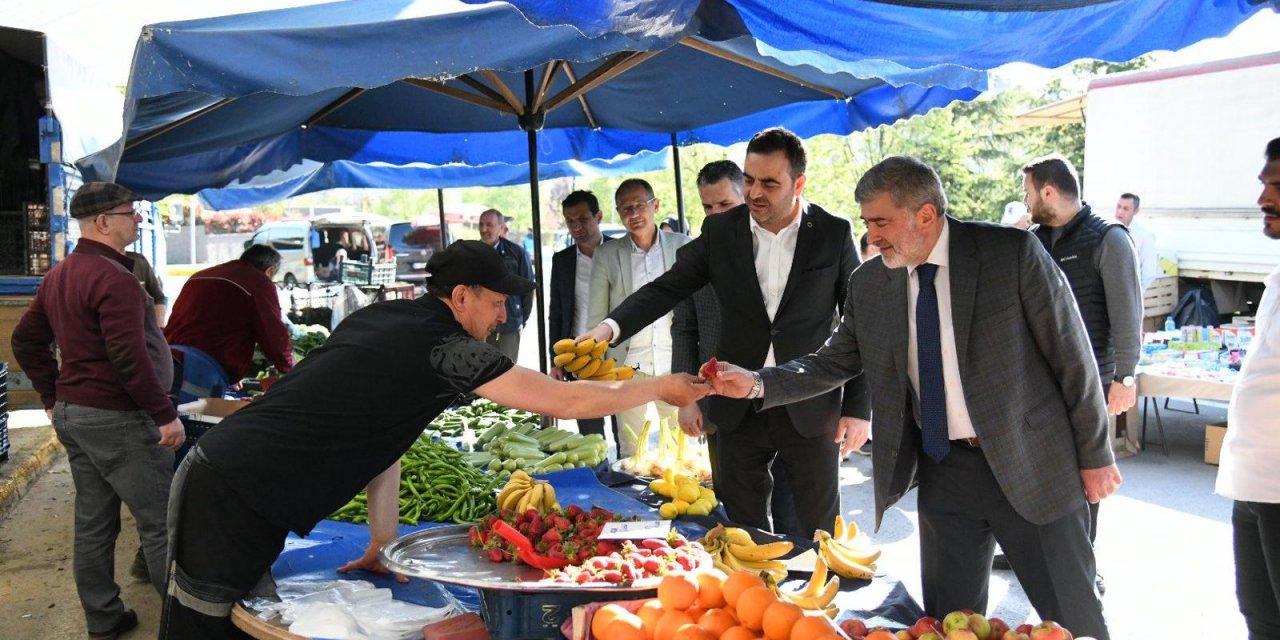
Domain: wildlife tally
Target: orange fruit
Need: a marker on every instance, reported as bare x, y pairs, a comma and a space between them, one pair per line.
626, 626
751, 606
695, 612
717, 621
677, 591
809, 627
738, 582
669, 623
779, 618
711, 589
739, 633
603, 616
692, 632
649, 613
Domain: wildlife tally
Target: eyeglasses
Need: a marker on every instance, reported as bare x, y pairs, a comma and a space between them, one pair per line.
632, 209
136, 209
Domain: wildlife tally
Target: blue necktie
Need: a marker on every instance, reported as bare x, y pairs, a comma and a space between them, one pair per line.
933, 394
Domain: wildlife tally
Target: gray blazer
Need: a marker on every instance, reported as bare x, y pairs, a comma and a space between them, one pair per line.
1029, 380
611, 279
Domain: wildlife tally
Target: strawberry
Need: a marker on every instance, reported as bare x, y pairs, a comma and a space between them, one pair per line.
708, 370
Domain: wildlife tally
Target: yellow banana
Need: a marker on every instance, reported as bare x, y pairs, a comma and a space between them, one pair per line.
737, 536
600, 349
578, 363
548, 497
584, 348
861, 554
759, 552
568, 345
837, 531
843, 566
775, 568
607, 365
605, 377
563, 359
590, 370
625, 373
818, 601
520, 474
850, 530
817, 580
512, 498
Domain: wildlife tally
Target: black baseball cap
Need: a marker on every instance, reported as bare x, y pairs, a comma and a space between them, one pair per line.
471, 262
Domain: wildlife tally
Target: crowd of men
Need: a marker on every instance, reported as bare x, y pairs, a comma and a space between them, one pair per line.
984, 358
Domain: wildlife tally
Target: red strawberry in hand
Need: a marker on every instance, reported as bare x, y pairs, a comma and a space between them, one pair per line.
708, 370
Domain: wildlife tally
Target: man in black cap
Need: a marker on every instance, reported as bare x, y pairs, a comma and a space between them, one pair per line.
108, 399
341, 419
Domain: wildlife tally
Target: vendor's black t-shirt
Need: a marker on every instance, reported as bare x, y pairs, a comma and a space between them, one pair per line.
348, 410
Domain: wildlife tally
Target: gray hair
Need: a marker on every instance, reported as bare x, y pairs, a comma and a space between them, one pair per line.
908, 180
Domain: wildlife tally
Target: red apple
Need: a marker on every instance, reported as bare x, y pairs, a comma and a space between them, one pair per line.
925, 625
1025, 628
853, 627
880, 633
961, 634
998, 627
1048, 630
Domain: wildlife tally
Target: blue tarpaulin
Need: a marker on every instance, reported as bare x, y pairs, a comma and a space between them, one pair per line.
401, 81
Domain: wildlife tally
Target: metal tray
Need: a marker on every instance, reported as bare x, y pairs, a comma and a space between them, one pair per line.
445, 554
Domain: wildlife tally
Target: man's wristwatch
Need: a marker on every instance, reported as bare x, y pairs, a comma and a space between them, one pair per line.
1127, 382
757, 386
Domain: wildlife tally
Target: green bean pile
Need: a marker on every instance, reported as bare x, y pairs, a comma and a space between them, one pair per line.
436, 485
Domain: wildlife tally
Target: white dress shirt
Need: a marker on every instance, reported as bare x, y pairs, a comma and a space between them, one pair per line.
774, 253
1251, 448
581, 291
650, 347
959, 425
1144, 242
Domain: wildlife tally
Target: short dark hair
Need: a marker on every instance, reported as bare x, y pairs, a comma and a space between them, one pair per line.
581, 197
1137, 202
1273, 150
780, 139
909, 182
1056, 170
714, 172
632, 183
261, 256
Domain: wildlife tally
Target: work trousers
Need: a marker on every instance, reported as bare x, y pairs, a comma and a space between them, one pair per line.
115, 458
964, 512
1256, 527
221, 551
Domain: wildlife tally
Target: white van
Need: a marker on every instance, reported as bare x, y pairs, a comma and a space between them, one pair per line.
311, 249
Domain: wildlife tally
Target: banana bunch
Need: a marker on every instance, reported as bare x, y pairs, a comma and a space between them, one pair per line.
687, 496
732, 549
847, 552
522, 493
585, 360
818, 594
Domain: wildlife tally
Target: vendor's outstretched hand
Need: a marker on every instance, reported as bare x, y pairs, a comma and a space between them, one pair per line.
599, 333
731, 380
370, 562
681, 389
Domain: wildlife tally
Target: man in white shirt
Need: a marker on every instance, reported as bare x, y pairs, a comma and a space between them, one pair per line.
778, 265
621, 267
1251, 449
1143, 239
571, 279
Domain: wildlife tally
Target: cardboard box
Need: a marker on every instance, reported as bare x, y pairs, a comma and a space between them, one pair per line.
1213, 434
211, 410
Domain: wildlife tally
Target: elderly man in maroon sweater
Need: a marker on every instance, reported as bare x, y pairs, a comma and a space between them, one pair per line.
225, 310
109, 398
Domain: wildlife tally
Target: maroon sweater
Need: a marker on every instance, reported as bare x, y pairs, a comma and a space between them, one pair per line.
113, 353
224, 310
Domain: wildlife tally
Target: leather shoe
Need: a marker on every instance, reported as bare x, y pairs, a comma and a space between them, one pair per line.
126, 624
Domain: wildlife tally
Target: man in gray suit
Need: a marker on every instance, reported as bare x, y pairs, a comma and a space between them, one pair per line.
984, 394
621, 267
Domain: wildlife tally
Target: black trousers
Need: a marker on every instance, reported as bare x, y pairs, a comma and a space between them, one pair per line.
964, 512
219, 551
747, 483
1256, 527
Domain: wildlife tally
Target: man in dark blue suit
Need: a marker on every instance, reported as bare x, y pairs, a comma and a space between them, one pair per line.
571, 279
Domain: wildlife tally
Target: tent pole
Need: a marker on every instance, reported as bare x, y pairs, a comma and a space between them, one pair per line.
531, 124
444, 227
675, 165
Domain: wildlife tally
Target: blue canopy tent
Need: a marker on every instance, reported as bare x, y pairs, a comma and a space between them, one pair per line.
441, 82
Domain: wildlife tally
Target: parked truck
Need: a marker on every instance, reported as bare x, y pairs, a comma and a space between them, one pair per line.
37, 181
1189, 141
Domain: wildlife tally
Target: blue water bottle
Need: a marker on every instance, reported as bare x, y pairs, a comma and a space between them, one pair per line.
1169, 325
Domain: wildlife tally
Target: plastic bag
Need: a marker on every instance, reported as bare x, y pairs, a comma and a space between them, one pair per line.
347, 610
